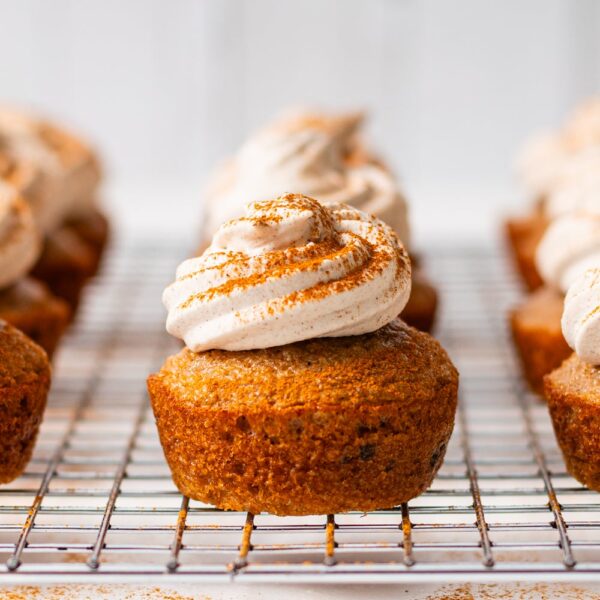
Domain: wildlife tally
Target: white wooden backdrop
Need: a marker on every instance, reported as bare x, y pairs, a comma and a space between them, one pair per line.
167, 88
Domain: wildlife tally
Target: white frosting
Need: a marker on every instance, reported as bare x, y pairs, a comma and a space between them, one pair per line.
64, 175
306, 157
541, 163
538, 162
290, 270
43, 188
81, 167
570, 245
577, 185
581, 316
582, 128
19, 239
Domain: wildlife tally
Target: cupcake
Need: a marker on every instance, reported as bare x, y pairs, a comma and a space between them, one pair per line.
573, 390
570, 245
65, 266
299, 391
551, 166
346, 127
83, 172
24, 381
310, 153
58, 175
24, 302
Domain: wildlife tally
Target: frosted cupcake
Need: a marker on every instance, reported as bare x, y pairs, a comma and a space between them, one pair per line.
550, 167
24, 302
58, 176
573, 390
310, 154
299, 391
24, 381
570, 245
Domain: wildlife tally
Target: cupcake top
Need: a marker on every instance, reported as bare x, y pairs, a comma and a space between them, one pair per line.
541, 163
581, 316
19, 241
290, 269
582, 129
54, 171
81, 165
570, 246
33, 169
577, 185
538, 162
310, 155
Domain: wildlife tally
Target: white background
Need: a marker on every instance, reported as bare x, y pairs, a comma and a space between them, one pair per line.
167, 88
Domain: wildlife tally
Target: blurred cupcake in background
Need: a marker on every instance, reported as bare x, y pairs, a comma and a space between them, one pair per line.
559, 239
58, 175
573, 389
559, 172
324, 156
24, 302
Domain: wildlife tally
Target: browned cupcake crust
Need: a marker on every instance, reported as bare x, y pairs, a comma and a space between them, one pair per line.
573, 394
31, 307
523, 236
421, 308
315, 427
538, 337
65, 265
94, 230
24, 384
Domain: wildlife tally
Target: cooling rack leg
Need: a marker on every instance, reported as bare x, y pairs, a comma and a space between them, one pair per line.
177, 542
329, 559
246, 543
407, 543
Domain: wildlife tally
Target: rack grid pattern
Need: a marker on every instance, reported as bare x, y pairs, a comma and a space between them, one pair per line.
97, 504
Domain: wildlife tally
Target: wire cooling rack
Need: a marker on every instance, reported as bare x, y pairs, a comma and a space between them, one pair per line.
97, 503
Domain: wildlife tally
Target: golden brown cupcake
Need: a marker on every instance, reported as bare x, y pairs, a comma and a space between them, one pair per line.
65, 265
523, 236
24, 381
300, 428
573, 395
537, 335
25, 303
299, 392
94, 230
29, 306
570, 244
573, 390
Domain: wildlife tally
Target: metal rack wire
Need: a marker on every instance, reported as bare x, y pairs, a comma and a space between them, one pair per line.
97, 502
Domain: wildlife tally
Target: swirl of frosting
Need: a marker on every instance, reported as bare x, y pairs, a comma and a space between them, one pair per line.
537, 163
19, 240
542, 162
570, 245
581, 316
308, 157
80, 164
582, 128
290, 270
61, 173
577, 186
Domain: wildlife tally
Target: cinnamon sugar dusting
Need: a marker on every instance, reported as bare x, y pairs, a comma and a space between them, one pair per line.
284, 255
